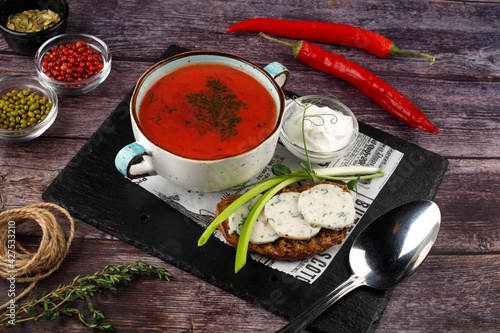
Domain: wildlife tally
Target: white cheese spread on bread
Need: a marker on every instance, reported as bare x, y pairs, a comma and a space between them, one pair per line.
297, 215
285, 218
262, 232
327, 206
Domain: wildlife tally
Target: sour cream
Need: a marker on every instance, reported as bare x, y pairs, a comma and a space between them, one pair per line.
325, 129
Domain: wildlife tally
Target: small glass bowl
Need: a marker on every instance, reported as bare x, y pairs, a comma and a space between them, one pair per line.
315, 156
81, 87
22, 82
27, 43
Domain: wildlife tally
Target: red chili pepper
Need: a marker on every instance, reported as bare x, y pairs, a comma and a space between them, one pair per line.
371, 85
326, 32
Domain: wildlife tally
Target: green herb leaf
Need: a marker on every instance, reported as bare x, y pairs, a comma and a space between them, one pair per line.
353, 184
280, 169
309, 170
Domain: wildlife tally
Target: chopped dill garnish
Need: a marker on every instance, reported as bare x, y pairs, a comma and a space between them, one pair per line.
216, 108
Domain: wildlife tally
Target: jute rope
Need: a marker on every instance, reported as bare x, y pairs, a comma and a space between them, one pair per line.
33, 267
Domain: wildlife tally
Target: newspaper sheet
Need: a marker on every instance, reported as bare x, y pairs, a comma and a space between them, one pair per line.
200, 206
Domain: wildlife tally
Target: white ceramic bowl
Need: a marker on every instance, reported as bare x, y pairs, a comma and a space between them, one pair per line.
22, 82
197, 174
81, 87
297, 148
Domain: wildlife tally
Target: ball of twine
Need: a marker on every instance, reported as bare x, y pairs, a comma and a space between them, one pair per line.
32, 267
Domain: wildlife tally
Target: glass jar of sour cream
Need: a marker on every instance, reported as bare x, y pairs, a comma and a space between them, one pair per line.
330, 128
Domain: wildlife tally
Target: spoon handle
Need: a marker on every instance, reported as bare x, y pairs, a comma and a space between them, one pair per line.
306, 317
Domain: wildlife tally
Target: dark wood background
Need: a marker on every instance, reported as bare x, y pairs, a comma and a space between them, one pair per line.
458, 287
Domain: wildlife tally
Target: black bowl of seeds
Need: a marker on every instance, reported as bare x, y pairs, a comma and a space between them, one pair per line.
27, 24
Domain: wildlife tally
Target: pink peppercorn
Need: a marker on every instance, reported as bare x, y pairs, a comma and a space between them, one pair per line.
72, 62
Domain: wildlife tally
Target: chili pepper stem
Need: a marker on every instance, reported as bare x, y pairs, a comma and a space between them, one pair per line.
295, 48
396, 50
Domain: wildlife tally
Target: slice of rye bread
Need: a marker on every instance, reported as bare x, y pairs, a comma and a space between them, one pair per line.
283, 248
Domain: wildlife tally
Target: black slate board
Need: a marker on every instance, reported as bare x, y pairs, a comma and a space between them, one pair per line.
94, 192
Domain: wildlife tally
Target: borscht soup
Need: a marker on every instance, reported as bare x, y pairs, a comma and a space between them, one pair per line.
207, 111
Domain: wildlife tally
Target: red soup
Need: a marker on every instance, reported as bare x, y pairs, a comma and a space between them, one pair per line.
207, 111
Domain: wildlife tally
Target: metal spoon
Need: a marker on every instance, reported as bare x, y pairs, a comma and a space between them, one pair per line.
383, 255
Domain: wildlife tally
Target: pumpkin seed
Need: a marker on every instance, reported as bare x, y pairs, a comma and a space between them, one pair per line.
32, 20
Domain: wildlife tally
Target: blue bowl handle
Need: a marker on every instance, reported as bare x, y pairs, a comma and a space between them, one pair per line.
127, 156
279, 72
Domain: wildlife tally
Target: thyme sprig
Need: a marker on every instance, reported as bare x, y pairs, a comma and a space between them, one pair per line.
48, 306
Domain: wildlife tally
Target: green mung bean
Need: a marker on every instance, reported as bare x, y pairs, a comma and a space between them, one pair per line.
23, 109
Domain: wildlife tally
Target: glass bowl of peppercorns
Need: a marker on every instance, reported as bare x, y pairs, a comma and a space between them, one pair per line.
28, 107
73, 64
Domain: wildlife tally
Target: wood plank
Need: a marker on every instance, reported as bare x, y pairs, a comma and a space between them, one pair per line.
185, 303
468, 206
453, 40
447, 294
452, 290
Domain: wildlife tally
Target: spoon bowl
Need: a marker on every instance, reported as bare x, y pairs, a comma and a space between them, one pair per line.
392, 247
384, 254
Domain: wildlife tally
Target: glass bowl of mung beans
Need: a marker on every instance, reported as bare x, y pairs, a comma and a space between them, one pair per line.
28, 107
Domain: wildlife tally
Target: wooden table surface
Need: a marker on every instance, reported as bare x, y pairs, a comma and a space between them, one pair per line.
458, 287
